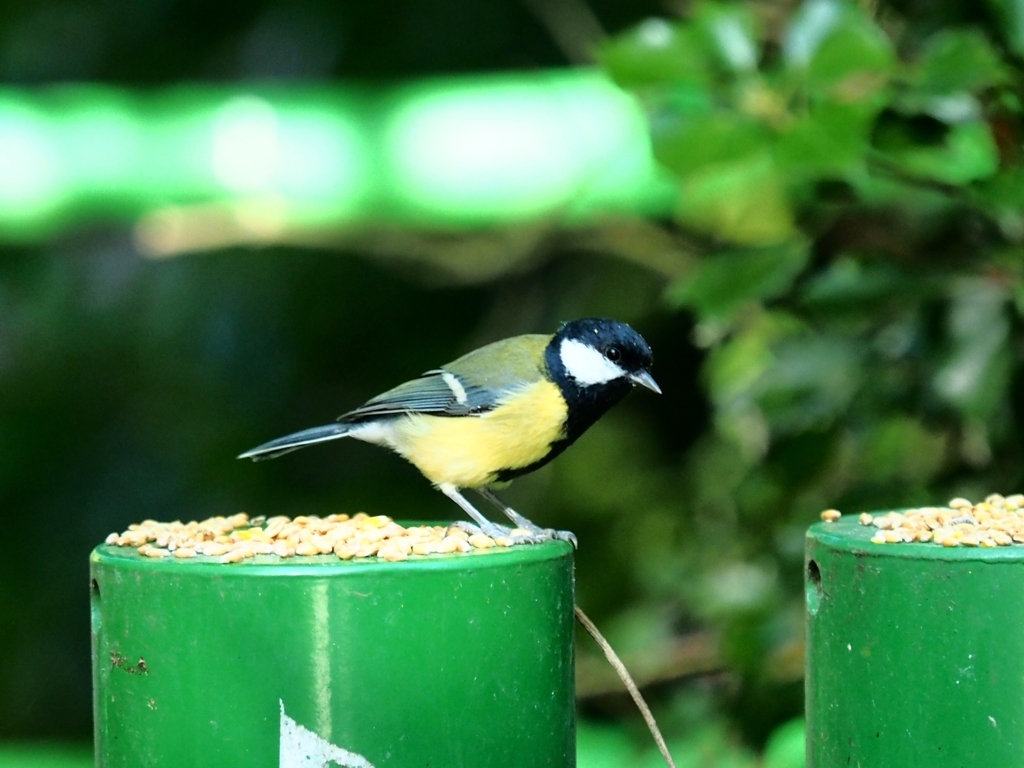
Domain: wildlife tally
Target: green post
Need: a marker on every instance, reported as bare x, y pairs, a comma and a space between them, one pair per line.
915, 652
444, 660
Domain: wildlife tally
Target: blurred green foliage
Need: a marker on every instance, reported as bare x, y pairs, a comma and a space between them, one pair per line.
835, 312
851, 199
45, 756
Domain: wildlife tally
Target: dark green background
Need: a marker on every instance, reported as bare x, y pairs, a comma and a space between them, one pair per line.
835, 309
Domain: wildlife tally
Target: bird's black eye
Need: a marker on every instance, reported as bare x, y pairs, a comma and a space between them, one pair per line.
613, 353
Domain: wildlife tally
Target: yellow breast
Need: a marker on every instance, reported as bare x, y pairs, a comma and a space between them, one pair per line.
470, 451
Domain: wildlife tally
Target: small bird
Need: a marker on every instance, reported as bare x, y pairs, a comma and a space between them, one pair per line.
496, 413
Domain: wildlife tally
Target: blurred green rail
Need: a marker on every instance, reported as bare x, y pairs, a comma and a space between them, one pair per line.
46, 755
598, 746
446, 153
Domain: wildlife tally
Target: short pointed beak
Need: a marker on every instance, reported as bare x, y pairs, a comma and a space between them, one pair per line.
644, 379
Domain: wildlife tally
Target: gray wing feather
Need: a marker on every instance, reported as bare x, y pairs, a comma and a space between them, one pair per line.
485, 375
293, 442
428, 394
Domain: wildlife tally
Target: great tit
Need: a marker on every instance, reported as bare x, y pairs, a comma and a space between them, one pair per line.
496, 413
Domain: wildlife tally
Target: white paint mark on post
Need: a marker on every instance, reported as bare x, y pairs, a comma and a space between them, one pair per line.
301, 748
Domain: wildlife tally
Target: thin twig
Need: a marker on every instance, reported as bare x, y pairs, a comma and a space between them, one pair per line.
696, 654
638, 699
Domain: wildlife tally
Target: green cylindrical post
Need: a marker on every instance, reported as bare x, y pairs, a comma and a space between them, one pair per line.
915, 652
445, 660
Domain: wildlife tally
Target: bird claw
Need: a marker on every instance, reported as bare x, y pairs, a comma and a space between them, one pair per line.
527, 532
568, 536
539, 535
515, 535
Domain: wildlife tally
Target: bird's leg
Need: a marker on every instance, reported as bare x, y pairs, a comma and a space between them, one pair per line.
464, 526
526, 525
468, 527
483, 525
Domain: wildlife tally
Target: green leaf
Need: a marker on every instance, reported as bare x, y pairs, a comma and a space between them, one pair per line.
787, 746
841, 51
828, 141
732, 372
720, 40
1002, 198
688, 143
967, 153
734, 367
602, 746
1005, 190
852, 285
709, 747
901, 448
851, 64
809, 26
730, 34
741, 202
657, 53
957, 60
1010, 15
720, 285
810, 383
975, 375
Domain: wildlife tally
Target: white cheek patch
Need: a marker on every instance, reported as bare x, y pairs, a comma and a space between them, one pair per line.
587, 365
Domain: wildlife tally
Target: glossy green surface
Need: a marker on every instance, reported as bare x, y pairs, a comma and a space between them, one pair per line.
915, 652
459, 660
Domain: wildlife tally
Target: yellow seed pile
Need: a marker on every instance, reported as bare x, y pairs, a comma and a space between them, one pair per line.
233, 539
998, 521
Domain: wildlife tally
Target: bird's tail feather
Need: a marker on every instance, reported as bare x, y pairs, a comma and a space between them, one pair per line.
293, 442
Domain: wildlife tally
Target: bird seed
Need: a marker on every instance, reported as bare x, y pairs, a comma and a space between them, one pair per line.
998, 521
237, 538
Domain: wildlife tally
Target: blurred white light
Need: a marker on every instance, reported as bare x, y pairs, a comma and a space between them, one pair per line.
246, 145
735, 43
955, 108
102, 146
812, 24
655, 33
29, 166
515, 151
482, 151
323, 158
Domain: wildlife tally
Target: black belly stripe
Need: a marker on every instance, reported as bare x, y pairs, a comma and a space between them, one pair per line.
585, 406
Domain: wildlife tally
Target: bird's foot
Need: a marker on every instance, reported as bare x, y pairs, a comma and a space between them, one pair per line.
536, 534
567, 536
491, 529
529, 531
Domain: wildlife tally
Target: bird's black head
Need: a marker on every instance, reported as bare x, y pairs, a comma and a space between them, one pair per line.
595, 363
